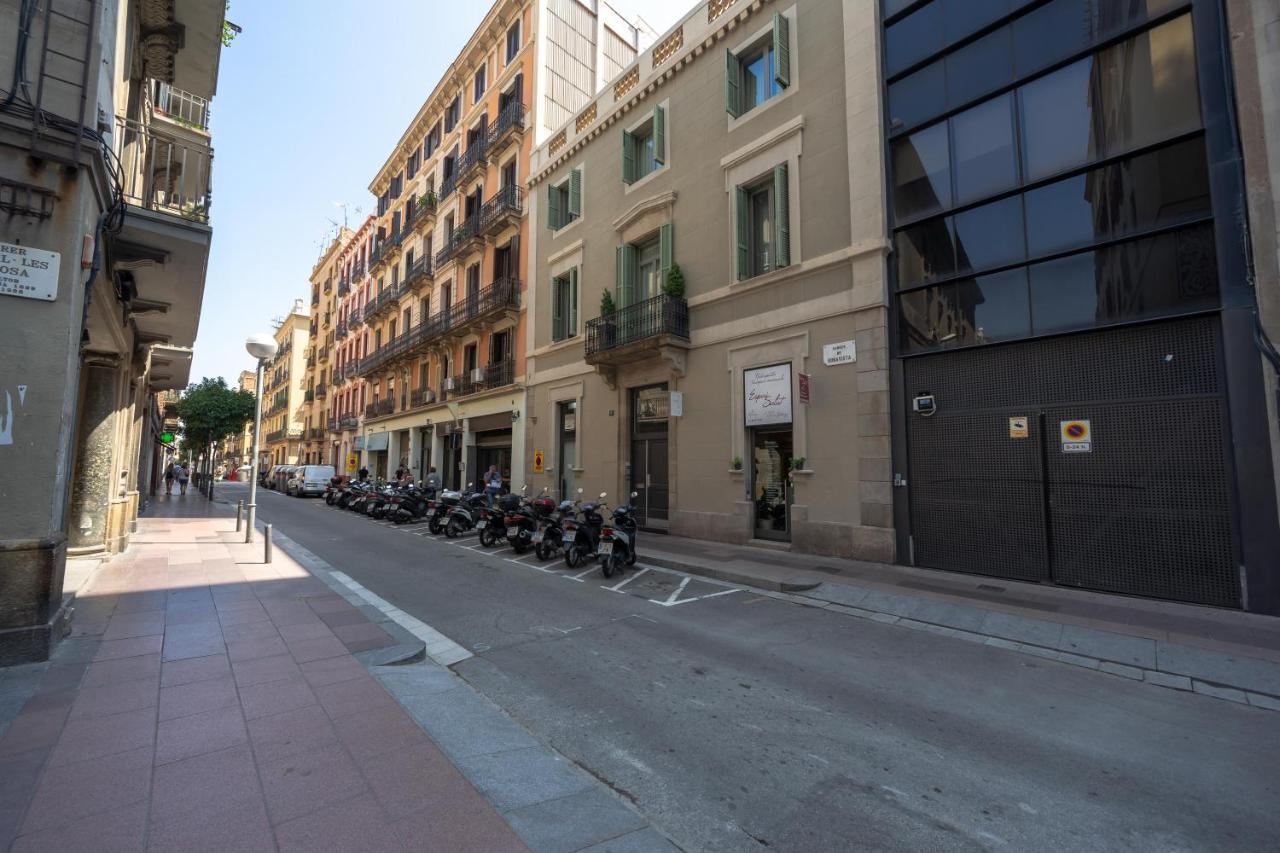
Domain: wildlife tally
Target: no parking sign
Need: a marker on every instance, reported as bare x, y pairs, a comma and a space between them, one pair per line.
1076, 437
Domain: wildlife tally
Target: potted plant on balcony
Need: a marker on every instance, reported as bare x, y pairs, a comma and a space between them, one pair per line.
674, 285
608, 327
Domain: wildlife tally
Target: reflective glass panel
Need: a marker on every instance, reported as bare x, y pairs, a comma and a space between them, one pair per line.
980, 67
918, 96
1148, 87
984, 153
913, 38
922, 172
1057, 121
925, 252
990, 236
993, 308
962, 17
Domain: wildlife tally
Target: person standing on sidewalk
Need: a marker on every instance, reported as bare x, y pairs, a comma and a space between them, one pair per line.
180, 473
168, 479
492, 483
433, 481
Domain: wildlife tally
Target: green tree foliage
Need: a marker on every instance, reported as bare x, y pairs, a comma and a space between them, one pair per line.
210, 412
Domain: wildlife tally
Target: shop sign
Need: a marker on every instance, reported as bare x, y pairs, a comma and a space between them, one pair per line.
1076, 437
353, 462
802, 387
677, 404
377, 441
767, 395
538, 461
653, 404
845, 352
1018, 427
570, 421
359, 442
29, 273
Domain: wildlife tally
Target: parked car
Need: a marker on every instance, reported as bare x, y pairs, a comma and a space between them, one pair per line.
268, 477
310, 480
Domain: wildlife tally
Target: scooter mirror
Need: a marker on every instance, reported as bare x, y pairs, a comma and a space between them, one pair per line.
579, 490
469, 485
603, 495
635, 494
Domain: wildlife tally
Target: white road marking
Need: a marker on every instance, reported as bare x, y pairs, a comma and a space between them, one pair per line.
702, 597
676, 592
618, 587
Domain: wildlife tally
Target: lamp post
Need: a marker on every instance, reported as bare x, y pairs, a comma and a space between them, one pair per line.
261, 347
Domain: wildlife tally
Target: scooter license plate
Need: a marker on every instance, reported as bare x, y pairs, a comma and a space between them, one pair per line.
568, 539
481, 525
513, 532
606, 548
537, 537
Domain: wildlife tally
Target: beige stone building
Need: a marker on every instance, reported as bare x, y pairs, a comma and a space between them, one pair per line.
322, 355
742, 154
283, 402
347, 397
237, 450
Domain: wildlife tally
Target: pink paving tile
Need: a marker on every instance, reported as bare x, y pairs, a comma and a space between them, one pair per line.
362, 632
242, 830
195, 734
329, 604
417, 777
352, 697
102, 673
194, 669
190, 614
18, 777
291, 613
249, 672
198, 788
118, 831
115, 698
275, 697
290, 733
332, 670
208, 695
249, 631
318, 649
302, 783
243, 613
138, 602
379, 731
125, 625
82, 740
132, 647
85, 788
337, 618
308, 631
471, 828
356, 824
33, 730
193, 641
262, 647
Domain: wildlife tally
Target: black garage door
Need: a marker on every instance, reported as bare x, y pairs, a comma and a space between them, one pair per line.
1095, 460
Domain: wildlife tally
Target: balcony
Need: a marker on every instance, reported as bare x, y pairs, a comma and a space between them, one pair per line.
418, 274
348, 422
502, 211
322, 391
484, 378
422, 397
342, 329
384, 300
311, 362
308, 396
275, 435
328, 285
657, 326
344, 287
464, 238
447, 186
313, 327
351, 369
357, 271
380, 408
471, 164
315, 299
507, 128
183, 108
323, 354
355, 317
165, 178
332, 425
424, 211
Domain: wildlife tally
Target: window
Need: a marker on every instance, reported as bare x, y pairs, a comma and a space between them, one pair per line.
921, 172
983, 152
411, 168
513, 41
641, 268
452, 113
508, 174
433, 141
500, 346
564, 306
763, 224
644, 149
478, 84
397, 185
757, 73
470, 358
564, 201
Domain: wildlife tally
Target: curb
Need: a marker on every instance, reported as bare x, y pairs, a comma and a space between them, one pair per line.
795, 584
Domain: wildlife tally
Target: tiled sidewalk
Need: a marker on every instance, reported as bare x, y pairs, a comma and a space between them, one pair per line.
206, 701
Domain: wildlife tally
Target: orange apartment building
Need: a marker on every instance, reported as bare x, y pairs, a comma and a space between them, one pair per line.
439, 328
347, 408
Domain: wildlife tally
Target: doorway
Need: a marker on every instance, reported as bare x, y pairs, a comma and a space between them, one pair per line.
770, 488
567, 457
650, 468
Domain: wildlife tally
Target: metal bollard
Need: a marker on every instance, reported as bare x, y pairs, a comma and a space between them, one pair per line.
239, 514
266, 543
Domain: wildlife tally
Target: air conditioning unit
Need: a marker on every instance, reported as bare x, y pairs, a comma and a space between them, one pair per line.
429, 396
450, 384
477, 374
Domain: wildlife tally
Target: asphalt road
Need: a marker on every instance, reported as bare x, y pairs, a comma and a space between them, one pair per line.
738, 722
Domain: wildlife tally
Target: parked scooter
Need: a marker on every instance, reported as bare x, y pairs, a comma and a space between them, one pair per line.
582, 536
521, 519
549, 536
617, 547
463, 517
489, 525
413, 505
438, 511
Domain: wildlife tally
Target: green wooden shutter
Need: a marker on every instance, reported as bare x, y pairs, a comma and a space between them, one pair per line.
553, 208
626, 275
628, 157
659, 135
781, 216
665, 251
575, 193
732, 84
573, 304
781, 50
744, 234
557, 315
618, 284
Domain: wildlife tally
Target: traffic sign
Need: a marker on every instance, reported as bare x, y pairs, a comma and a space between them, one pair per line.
1076, 436
538, 460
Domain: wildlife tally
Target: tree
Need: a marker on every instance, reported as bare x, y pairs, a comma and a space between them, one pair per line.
210, 411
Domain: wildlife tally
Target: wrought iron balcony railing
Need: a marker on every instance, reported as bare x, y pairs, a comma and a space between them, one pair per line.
503, 209
178, 106
462, 235
510, 120
380, 408
485, 378
161, 171
644, 321
348, 422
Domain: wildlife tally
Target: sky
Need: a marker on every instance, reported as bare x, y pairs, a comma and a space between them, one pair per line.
312, 97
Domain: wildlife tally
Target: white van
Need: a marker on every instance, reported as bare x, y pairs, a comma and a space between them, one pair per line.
311, 479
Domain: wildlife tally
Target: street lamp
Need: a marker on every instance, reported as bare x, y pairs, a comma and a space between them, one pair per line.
261, 347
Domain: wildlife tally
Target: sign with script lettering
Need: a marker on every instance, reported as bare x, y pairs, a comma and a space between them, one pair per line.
766, 398
27, 272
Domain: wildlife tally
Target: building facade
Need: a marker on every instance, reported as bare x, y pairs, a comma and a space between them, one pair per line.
237, 450
347, 412
322, 355
105, 188
709, 319
442, 336
284, 408
1079, 395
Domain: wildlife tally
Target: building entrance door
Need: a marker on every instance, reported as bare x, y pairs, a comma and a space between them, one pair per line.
770, 488
650, 469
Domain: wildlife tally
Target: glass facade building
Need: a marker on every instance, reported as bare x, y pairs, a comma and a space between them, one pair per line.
1064, 180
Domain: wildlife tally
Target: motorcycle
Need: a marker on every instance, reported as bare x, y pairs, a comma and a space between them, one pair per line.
521, 520
489, 526
581, 536
462, 518
413, 505
438, 511
549, 537
617, 547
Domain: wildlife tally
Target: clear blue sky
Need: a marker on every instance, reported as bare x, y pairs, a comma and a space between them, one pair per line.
299, 124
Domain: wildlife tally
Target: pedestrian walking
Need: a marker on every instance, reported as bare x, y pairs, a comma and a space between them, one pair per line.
180, 472
364, 473
492, 483
168, 479
433, 481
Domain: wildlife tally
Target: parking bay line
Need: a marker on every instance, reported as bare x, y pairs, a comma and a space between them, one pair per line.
618, 587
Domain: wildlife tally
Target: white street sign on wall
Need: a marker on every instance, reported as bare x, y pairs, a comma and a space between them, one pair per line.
767, 395
27, 272
845, 352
